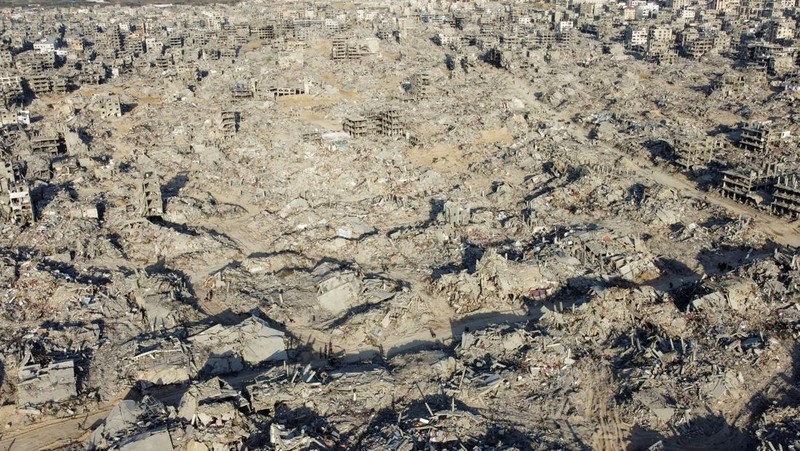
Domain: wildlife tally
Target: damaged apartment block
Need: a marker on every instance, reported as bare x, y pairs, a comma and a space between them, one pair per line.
274, 92
40, 84
18, 206
241, 91
346, 48
385, 122
106, 106
16, 119
751, 185
786, 198
47, 141
755, 137
11, 92
420, 86
692, 154
229, 122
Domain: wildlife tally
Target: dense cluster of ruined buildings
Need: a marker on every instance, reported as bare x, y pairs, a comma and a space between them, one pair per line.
754, 164
53, 52
43, 57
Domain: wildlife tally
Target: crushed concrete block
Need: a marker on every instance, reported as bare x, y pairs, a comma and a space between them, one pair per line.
196, 446
738, 292
222, 349
711, 301
149, 441
53, 383
339, 292
354, 229
163, 365
211, 402
455, 214
129, 426
664, 413
668, 217
513, 341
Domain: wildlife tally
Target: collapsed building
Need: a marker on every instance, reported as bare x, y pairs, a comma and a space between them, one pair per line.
626, 257
496, 280
229, 348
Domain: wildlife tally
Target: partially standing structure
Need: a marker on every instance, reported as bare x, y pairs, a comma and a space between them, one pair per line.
19, 206
152, 204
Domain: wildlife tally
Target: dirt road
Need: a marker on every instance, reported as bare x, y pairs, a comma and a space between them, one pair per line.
778, 229
775, 228
53, 433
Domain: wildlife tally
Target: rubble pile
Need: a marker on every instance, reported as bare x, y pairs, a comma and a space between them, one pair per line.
496, 280
399, 225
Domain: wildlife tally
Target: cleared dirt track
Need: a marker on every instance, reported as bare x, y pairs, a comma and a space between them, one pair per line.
53, 433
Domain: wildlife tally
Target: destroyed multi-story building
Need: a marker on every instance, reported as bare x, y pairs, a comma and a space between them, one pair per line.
347, 48
420, 85
385, 122
106, 105
6, 59
40, 84
359, 126
47, 142
636, 38
692, 154
92, 73
18, 205
151, 203
11, 90
624, 256
755, 137
750, 186
786, 198
694, 43
16, 118
242, 91
229, 123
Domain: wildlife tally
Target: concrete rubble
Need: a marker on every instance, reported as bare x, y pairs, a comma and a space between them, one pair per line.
228, 348
282, 225
52, 383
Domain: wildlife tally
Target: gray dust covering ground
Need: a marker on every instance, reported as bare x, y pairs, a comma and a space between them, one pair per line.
383, 225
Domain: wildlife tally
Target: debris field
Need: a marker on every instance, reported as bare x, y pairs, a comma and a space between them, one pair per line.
413, 225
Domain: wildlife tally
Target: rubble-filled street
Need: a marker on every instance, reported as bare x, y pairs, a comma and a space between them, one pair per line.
399, 225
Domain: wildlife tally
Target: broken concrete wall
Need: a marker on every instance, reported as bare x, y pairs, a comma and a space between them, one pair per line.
220, 349
52, 383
